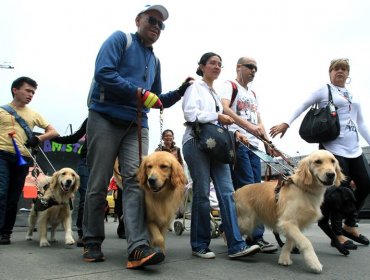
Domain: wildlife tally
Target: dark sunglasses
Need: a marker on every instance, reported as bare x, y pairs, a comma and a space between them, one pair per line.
154, 21
250, 66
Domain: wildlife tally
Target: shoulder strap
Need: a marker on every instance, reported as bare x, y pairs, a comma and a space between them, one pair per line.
128, 44
19, 119
330, 96
254, 94
129, 40
234, 93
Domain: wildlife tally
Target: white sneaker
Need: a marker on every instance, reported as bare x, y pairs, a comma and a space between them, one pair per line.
246, 251
204, 253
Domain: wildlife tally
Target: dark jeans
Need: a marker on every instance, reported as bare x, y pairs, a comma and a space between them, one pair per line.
12, 177
247, 170
83, 172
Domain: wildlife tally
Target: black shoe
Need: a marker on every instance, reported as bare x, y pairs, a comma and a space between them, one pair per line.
79, 242
144, 255
5, 239
349, 245
359, 239
93, 253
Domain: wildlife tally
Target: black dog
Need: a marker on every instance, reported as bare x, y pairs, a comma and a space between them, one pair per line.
337, 200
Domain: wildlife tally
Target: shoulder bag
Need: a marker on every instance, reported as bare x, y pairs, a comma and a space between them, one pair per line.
320, 125
215, 140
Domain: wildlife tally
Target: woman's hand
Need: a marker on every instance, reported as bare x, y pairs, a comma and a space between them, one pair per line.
225, 119
280, 128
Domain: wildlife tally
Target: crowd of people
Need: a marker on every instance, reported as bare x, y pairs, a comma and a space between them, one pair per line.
126, 85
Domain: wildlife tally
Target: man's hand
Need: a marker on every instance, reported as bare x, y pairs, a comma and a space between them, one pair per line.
150, 99
181, 90
33, 142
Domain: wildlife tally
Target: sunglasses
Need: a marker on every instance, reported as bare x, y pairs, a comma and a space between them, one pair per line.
154, 21
250, 66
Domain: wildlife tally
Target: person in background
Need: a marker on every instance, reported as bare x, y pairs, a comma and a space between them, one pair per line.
201, 103
127, 83
170, 146
13, 172
82, 171
246, 113
117, 196
346, 147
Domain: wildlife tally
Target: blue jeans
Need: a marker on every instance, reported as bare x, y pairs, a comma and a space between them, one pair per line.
12, 177
247, 170
83, 172
201, 170
106, 141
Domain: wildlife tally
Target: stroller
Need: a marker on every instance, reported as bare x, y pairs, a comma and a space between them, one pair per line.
184, 212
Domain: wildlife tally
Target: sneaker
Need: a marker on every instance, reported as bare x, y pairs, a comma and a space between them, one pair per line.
79, 242
93, 253
246, 251
144, 255
5, 239
204, 253
266, 247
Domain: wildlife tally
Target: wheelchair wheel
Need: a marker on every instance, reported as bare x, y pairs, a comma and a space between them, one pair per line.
215, 232
179, 227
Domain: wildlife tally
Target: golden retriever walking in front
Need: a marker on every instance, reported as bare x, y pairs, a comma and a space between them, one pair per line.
55, 208
297, 207
163, 180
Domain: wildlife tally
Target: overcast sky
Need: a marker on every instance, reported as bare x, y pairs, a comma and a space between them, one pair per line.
56, 42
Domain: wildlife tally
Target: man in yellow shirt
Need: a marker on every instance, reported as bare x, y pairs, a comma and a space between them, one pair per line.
13, 139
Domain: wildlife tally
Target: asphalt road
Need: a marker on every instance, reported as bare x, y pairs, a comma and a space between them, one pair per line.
26, 260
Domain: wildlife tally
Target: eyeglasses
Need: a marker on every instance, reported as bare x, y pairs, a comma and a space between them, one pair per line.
250, 66
154, 21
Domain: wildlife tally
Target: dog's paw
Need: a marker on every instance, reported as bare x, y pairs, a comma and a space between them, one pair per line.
44, 243
316, 266
28, 237
313, 263
285, 261
69, 241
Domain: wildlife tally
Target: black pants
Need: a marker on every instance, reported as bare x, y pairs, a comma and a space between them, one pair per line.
358, 170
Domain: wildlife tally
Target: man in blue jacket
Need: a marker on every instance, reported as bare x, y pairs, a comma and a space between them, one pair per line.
126, 73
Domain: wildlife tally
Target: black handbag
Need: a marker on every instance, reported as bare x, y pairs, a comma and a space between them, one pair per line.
320, 125
215, 140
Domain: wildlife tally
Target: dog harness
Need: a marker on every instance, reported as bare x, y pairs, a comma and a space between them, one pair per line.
41, 204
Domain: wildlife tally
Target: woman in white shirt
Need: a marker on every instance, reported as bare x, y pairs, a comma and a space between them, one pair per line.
346, 147
201, 103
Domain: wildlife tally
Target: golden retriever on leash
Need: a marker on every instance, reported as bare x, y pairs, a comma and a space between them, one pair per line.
54, 207
294, 208
162, 178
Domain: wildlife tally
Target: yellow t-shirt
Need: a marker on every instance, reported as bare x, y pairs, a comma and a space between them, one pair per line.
8, 124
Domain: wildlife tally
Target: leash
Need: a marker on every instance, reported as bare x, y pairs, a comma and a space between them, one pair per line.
139, 118
269, 160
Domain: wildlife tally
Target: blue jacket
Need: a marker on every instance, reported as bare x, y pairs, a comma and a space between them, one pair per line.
119, 72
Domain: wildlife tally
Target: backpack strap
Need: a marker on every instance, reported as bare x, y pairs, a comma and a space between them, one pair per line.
234, 93
19, 119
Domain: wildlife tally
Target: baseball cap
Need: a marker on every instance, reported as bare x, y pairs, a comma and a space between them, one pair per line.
158, 8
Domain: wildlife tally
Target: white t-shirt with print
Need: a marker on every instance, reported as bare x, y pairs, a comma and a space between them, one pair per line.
245, 106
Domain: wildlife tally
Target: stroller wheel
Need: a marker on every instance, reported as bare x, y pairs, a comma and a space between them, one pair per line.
215, 232
179, 227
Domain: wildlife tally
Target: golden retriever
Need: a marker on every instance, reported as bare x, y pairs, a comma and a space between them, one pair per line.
297, 206
54, 208
162, 178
